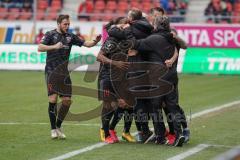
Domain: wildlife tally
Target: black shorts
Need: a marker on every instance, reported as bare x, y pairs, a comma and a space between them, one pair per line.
106, 91
60, 84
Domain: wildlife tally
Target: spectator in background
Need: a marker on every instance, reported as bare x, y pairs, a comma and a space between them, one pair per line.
84, 9
28, 5
171, 7
226, 11
164, 4
39, 36
49, 2
78, 33
18, 3
219, 11
213, 11
7, 4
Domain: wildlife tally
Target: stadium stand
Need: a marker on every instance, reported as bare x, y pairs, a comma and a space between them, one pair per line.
223, 11
176, 9
217, 11
88, 10
23, 9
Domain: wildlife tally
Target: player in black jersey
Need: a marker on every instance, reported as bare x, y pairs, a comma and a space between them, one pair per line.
113, 106
57, 43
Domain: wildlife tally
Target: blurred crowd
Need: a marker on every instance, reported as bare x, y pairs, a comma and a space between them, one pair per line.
219, 11
91, 10
23, 4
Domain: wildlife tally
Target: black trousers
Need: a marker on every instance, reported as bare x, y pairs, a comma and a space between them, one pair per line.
157, 117
174, 112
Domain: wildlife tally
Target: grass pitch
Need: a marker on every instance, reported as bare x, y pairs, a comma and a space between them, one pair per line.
23, 103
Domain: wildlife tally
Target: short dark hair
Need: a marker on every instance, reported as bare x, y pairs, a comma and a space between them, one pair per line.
116, 21
61, 17
162, 22
158, 9
136, 14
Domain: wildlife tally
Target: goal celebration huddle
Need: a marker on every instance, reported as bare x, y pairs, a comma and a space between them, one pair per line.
137, 78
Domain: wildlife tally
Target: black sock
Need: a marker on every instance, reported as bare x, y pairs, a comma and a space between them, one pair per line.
138, 126
62, 114
183, 119
52, 112
106, 116
144, 123
118, 113
170, 125
128, 118
105, 122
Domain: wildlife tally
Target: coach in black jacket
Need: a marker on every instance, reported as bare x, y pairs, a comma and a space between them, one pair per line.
140, 28
159, 47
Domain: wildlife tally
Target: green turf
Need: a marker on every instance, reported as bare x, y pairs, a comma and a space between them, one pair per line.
23, 99
204, 131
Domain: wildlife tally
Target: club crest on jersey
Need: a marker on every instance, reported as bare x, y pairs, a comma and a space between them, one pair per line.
68, 39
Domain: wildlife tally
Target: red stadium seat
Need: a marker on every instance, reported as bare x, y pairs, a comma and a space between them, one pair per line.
99, 5
42, 4
121, 13
135, 1
229, 7
156, 4
41, 14
149, 1
109, 15
52, 14
14, 13
237, 7
56, 5
111, 5
135, 4
96, 16
122, 5
25, 15
3, 13
146, 6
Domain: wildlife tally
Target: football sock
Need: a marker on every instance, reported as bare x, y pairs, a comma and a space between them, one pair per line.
52, 112
116, 118
62, 114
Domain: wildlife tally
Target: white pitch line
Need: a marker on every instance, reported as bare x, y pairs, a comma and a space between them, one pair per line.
65, 124
221, 146
195, 150
77, 152
98, 145
218, 108
190, 152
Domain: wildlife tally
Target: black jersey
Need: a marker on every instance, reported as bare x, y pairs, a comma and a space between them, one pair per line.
59, 56
115, 44
110, 48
